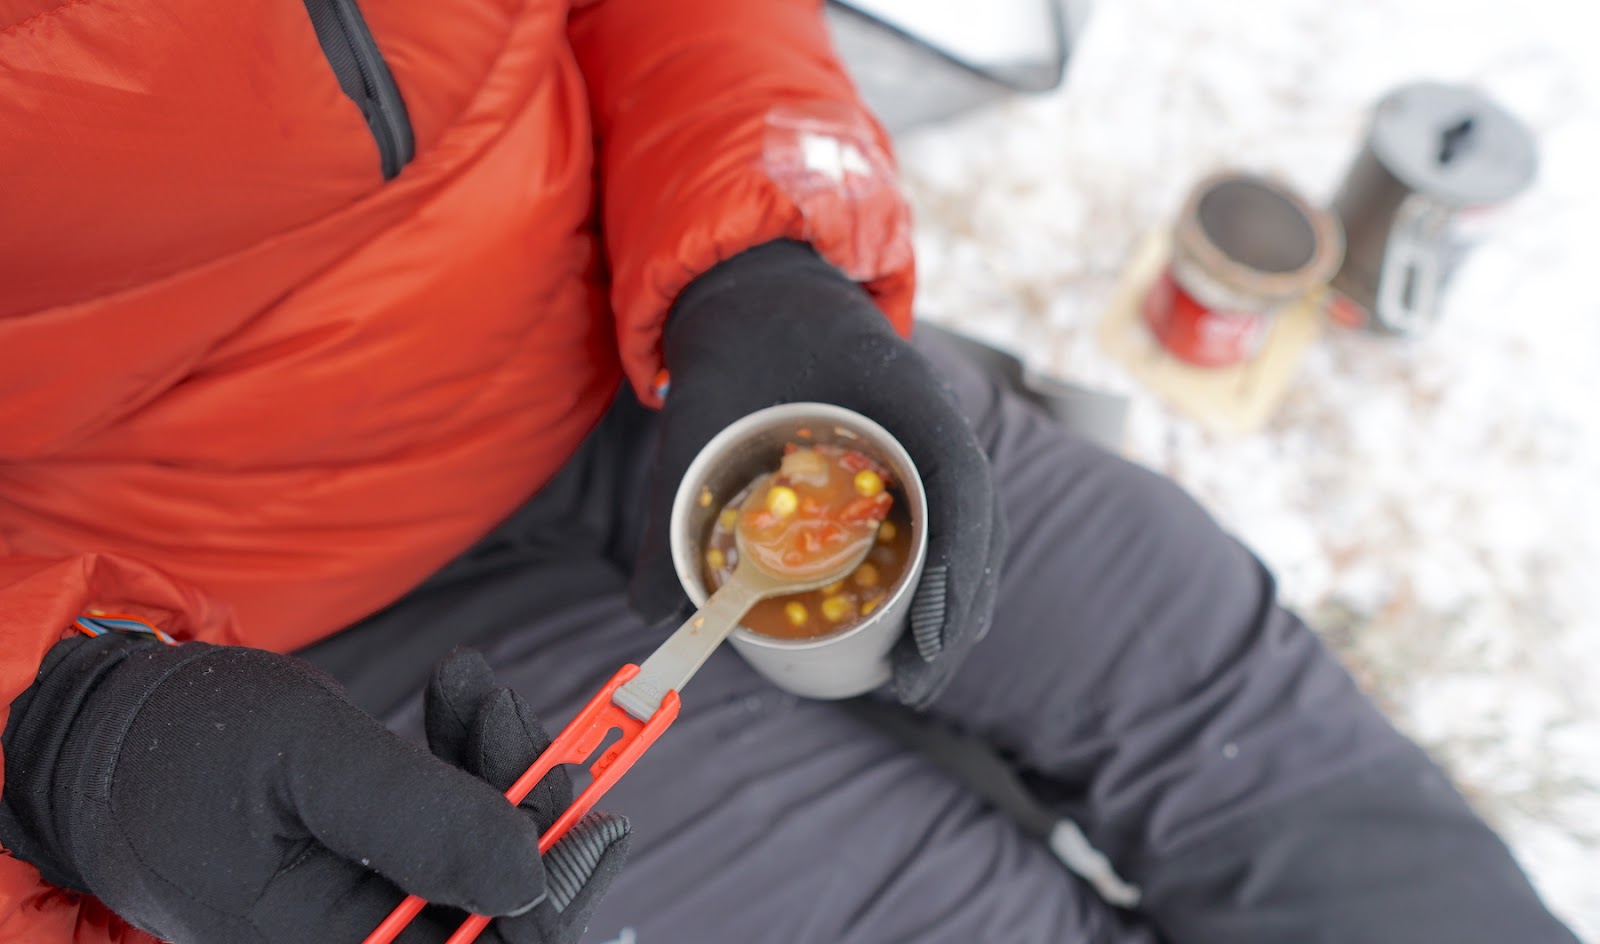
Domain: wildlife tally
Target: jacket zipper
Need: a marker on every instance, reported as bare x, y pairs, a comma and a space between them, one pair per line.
365, 78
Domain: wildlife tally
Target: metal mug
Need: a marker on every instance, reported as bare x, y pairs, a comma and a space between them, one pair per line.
843, 664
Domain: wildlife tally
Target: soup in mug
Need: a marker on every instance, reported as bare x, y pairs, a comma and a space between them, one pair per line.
807, 518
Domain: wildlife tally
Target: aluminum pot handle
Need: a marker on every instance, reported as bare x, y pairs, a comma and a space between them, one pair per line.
1413, 267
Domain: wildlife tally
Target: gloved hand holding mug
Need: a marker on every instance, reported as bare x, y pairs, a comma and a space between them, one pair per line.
777, 324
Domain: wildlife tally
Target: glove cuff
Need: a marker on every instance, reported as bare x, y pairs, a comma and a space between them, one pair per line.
779, 259
582, 857
36, 744
580, 868
63, 737
774, 287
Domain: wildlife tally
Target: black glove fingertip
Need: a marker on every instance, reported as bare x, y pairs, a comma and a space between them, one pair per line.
454, 696
507, 875
507, 739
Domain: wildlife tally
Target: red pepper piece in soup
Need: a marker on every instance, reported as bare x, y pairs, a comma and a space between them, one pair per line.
820, 509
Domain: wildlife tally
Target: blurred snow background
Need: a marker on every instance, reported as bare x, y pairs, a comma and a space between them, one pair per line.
1430, 504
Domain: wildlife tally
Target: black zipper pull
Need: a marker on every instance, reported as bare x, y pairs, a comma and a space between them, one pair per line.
365, 77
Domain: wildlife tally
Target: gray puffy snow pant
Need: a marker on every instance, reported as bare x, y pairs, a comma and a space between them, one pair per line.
1140, 677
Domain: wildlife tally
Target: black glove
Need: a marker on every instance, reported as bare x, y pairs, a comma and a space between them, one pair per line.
777, 324
491, 733
214, 794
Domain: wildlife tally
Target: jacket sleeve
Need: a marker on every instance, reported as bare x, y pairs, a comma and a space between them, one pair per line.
721, 125
39, 600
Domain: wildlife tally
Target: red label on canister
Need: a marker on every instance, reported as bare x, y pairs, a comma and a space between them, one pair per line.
1192, 332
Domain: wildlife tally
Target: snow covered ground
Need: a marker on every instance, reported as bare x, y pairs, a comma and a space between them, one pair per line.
1431, 505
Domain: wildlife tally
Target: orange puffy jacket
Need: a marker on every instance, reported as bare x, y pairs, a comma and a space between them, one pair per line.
253, 390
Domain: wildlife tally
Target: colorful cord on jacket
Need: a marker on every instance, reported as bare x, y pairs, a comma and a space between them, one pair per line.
101, 623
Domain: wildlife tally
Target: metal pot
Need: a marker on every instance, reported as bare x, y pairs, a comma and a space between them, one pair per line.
1432, 152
